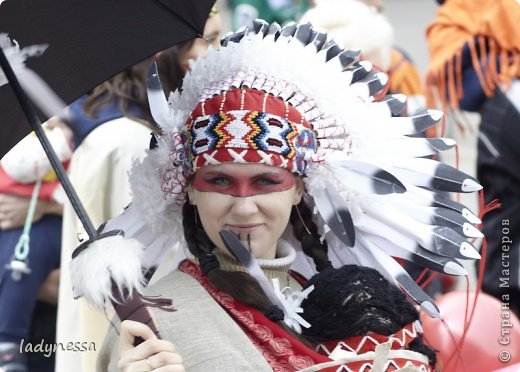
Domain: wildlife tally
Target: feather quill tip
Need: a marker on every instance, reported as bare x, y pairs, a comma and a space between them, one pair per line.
471, 217
470, 185
471, 231
431, 309
451, 268
468, 251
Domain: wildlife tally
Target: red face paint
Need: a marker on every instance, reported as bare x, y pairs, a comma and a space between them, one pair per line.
242, 180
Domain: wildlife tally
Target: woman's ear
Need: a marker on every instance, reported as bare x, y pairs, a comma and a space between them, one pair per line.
191, 195
299, 191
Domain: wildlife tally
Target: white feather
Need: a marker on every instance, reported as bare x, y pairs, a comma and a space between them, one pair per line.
385, 263
37, 89
16, 55
104, 261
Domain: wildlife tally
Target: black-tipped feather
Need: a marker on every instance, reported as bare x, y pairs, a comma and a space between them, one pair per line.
447, 242
274, 29
236, 248
289, 29
418, 295
396, 103
360, 70
382, 182
386, 264
435, 175
425, 258
440, 144
260, 26
425, 119
234, 37
334, 211
318, 39
303, 33
454, 220
331, 50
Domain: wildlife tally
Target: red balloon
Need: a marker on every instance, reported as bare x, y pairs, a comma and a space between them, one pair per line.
512, 368
492, 340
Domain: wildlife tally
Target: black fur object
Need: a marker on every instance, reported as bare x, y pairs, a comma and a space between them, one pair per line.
355, 300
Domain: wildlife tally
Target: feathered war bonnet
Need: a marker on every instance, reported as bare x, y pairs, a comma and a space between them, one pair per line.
289, 97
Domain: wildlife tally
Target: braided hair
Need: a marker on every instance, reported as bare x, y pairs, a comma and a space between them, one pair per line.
307, 233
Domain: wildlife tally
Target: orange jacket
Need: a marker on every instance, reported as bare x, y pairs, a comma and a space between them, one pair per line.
491, 29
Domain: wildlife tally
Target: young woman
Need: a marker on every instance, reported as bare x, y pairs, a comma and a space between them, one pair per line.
273, 153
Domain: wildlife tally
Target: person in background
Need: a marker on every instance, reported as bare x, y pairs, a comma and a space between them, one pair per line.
115, 122
475, 66
362, 24
111, 126
281, 11
30, 250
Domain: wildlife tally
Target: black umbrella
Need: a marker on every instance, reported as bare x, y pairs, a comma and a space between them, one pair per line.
89, 41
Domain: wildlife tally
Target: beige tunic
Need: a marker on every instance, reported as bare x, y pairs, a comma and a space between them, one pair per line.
206, 337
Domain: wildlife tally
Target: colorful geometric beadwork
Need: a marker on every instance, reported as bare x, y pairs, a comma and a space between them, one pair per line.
279, 134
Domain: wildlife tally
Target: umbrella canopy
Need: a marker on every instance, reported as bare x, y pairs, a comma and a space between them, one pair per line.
89, 41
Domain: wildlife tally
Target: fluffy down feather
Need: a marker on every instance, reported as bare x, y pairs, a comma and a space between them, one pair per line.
107, 260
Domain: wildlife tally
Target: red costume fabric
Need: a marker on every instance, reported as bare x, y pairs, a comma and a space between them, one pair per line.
285, 353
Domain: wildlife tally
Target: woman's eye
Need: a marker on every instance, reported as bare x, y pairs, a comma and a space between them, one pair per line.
265, 181
219, 181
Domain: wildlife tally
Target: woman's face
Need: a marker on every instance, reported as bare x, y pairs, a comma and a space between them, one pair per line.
252, 200
212, 33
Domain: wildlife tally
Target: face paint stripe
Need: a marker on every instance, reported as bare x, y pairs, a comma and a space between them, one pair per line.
242, 184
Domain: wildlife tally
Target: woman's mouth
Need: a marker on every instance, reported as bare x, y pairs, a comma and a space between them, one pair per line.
243, 228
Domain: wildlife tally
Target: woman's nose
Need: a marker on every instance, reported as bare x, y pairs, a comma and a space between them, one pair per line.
244, 205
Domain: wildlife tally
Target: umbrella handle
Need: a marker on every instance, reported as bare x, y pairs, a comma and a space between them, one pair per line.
132, 307
35, 123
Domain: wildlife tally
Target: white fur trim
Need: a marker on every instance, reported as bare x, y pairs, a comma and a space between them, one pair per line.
158, 211
105, 260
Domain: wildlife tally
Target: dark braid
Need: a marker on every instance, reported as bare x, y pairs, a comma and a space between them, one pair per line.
311, 244
196, 238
